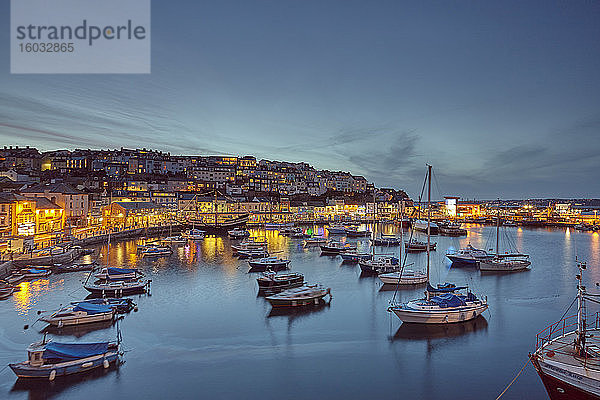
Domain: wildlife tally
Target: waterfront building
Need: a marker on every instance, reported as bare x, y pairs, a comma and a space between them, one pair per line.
75, 203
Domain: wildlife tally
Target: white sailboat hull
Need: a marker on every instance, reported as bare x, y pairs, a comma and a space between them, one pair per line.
503, 266
394, 278
448, 315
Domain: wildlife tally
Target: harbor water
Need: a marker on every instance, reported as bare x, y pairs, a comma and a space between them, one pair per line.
204, 332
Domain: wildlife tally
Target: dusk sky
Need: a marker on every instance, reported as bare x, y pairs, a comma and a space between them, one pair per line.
503, 98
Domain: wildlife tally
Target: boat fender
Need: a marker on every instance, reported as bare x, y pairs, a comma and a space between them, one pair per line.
106, 364
60, 324
52, 375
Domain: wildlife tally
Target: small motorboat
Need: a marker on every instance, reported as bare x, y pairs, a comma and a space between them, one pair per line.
336, 229
353, 256
81, 313
272, 282
298, 233
121, 306
250, 244
469, 255
379, 265
238, 233
301, 296
157, 251
6, 292
113, 273
353, 232
406, 277
415, 246
174, 240
386, 240
449, 228
48, 360
257, 253
62, 268
117, 288
335, 248
34, 273
14, 278
194, 234
314, 241
268, 263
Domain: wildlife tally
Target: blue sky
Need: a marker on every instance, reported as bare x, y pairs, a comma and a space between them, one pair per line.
503, 98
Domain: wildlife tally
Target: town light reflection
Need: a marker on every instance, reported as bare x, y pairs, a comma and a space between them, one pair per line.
29, 293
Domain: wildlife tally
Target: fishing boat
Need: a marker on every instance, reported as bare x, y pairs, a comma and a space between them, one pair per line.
268, 263
315, 240
441, 305
336, 229
253, 253
415, 246
469, 255
34, 273
193, 234
449, 228
386, 240
117, 288
114, 273
238, 233
505, 262
379, 265
335, 248
301, 296
353, 256
271, 281
81, 313
568, 362
509, 222
120, 306
158, 251
49, 360
403, 277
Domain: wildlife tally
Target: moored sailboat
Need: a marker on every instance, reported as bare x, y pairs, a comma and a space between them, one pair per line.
441, 305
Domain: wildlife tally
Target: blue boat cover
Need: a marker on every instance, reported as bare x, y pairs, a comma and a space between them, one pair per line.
448, 300
36, 271
115, 271
92, 308
74, 351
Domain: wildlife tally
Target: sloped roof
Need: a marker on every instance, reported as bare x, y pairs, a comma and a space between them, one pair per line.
8, 198
45, 204
52, 188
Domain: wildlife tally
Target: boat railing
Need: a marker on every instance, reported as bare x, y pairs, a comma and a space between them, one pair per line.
563, 326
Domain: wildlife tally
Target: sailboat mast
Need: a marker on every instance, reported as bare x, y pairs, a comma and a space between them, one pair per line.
580, 343
428, 215
401, 228
498, 229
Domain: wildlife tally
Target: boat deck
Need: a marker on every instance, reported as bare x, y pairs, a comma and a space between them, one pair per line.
562, 350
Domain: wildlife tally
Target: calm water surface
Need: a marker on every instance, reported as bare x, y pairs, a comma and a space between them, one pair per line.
205, 333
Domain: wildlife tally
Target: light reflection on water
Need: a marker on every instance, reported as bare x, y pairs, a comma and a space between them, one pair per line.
204, 324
